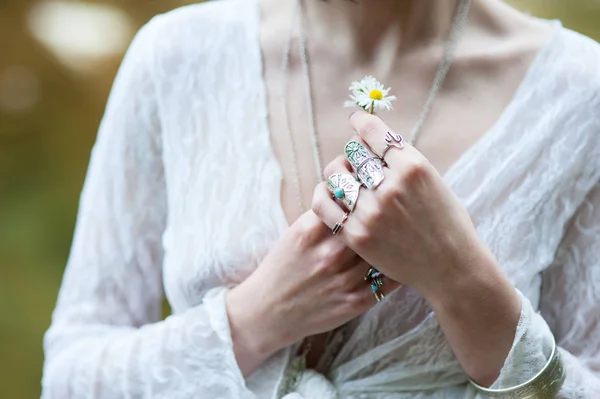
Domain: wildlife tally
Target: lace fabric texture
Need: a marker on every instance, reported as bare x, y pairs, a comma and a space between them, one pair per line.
182, 198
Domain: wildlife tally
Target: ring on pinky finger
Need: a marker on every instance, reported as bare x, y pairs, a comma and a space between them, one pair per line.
339, 225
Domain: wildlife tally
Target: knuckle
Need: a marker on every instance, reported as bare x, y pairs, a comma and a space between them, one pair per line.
318, 202
335, 251
322, 268
416, 169
360, 238
304, 239
310, 221
327, 265
368, 129
307, 230
371, 218
365, 124
388, 193
357, 302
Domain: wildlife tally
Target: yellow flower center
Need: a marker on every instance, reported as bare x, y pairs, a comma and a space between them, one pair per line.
376, 94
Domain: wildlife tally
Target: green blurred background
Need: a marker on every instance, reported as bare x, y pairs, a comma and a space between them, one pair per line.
57, 62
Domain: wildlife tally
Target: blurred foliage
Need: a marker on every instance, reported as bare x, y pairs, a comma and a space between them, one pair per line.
44, 152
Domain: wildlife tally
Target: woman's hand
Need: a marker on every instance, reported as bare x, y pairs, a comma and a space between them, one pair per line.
412, 227
310, 283
414, 230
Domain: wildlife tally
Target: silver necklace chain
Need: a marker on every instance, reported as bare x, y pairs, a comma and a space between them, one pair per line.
287, 52
458, 24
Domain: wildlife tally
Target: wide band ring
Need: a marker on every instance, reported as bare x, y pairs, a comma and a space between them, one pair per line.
368, 166
392, 140
374, 277
546, 384
338, 226
344, 188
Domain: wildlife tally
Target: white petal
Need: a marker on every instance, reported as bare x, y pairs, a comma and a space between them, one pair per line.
361, 94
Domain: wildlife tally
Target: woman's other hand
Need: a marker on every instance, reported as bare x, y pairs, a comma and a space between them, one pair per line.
309, 283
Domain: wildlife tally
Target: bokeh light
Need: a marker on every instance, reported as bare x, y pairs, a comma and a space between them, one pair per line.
79, 33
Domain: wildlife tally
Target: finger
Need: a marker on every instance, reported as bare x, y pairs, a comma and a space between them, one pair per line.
373, 131
326, 208
339, 165
362, 292
355, 274
379, 293
342, 184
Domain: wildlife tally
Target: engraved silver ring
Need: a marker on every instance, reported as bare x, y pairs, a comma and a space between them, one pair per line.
368, 167
345, 188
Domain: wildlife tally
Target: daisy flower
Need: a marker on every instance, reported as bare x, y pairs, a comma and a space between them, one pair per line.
370, 95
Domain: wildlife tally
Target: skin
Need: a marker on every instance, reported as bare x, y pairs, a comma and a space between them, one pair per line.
412, 227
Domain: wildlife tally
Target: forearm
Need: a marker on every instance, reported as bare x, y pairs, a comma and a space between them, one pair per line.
479, 311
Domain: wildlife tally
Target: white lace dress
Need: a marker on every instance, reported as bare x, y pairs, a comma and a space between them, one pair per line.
182, 197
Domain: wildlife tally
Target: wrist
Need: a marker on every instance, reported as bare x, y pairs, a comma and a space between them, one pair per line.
253, 329
478, 311
475, 292
471, 272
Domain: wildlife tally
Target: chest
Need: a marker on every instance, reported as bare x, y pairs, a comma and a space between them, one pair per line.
465, 109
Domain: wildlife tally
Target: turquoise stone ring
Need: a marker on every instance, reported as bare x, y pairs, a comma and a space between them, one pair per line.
345, 188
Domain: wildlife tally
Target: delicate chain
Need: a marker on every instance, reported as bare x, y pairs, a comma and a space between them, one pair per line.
458, 24
287, 50
311, 109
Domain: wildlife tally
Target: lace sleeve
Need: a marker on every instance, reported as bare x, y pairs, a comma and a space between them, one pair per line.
106, 340
569, 306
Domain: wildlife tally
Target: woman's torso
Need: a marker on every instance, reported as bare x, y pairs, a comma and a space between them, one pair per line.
520, 183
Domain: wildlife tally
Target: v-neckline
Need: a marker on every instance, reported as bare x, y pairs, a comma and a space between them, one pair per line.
452, 175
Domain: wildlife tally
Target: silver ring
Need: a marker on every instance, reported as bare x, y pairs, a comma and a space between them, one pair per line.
344, 188
374, 277
392, 140
368, 167
338, 226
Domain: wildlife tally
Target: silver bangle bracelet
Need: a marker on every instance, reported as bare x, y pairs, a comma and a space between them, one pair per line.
544, 385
